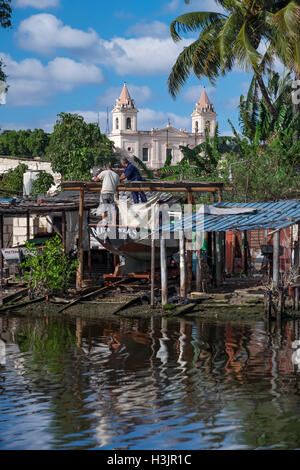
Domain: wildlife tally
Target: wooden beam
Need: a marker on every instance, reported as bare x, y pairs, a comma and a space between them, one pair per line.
276, 248
79, 276
189, 240
182, 265
164, 271
64, 230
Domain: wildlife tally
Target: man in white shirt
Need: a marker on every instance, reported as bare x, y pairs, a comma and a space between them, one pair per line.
110, 182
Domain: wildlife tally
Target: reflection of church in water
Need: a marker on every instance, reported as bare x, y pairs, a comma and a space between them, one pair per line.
152, 147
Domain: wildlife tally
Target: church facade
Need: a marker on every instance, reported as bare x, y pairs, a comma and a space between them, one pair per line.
153, 147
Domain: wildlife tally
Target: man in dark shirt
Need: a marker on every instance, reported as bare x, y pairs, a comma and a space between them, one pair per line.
131, 173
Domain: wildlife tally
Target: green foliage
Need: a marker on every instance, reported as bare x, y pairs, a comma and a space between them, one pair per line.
234, 37
42, 184
143, 166
75, 147
12, 181
48, 270
5, 13
24, 143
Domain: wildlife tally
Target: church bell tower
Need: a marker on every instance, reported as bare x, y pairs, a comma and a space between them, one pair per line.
124, 113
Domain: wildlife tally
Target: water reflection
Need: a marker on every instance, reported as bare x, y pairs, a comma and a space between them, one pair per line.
157, 384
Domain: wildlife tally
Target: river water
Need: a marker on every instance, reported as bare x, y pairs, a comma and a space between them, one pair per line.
70, 383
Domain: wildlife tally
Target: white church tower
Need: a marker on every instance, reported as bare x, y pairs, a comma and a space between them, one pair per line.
124, 113
204, 118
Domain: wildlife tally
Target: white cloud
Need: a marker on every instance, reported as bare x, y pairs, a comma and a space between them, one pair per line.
192, 94
32, 83
44, 33
156, 29
195, 5
140, 94
40, 4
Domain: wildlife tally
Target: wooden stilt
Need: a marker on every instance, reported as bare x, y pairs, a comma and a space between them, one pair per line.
276, 247
28, 225
164, 272
1, 246
189, 266
64, 231
182, 264
79, 277
152, 270
198, 261
217, 260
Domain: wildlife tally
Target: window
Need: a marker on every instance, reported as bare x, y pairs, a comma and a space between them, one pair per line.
196, 126
145, 154
117, 123
168, 153
129, 149
128, 123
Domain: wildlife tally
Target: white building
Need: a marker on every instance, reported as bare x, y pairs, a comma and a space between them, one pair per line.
152, 147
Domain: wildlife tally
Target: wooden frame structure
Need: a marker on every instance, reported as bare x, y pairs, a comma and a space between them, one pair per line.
188, 187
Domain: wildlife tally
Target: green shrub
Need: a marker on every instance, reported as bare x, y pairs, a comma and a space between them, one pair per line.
47, 270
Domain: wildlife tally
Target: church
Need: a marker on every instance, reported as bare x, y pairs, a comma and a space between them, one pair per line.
153, 147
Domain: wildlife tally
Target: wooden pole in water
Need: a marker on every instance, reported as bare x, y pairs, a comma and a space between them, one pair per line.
163, 270
79, 276
1, 246
217, 259
198, 261
152, 269
297, 289
182, 266
189, 276
276, 247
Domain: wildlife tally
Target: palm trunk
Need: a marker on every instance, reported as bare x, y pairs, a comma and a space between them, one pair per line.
265, 95
296, 108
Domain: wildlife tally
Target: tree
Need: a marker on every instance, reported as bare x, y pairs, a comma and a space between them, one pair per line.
5, 13
12, 181
42, 184
75, 147
37, 142
235, 37
5, 22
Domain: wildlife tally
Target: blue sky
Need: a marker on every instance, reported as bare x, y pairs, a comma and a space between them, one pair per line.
74, 56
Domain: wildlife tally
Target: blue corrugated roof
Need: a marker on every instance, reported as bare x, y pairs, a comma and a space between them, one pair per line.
267, 215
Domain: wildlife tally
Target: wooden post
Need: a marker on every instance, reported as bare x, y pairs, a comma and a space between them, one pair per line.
1, 246
189, 276
182, 266
232, 252
152, 269
28, 225
297, 289
64, 231
276, 247
164, 271
79, 277
217, 259
198, 261
244, 252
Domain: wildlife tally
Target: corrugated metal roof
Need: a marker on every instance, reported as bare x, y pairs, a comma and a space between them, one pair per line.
267, 215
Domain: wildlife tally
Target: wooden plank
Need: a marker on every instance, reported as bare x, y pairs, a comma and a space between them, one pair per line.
95, 292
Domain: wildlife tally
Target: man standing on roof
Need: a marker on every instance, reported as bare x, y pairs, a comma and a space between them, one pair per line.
131, 173
111, 181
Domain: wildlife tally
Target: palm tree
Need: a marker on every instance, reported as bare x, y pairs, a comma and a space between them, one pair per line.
237, 36
254, 113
